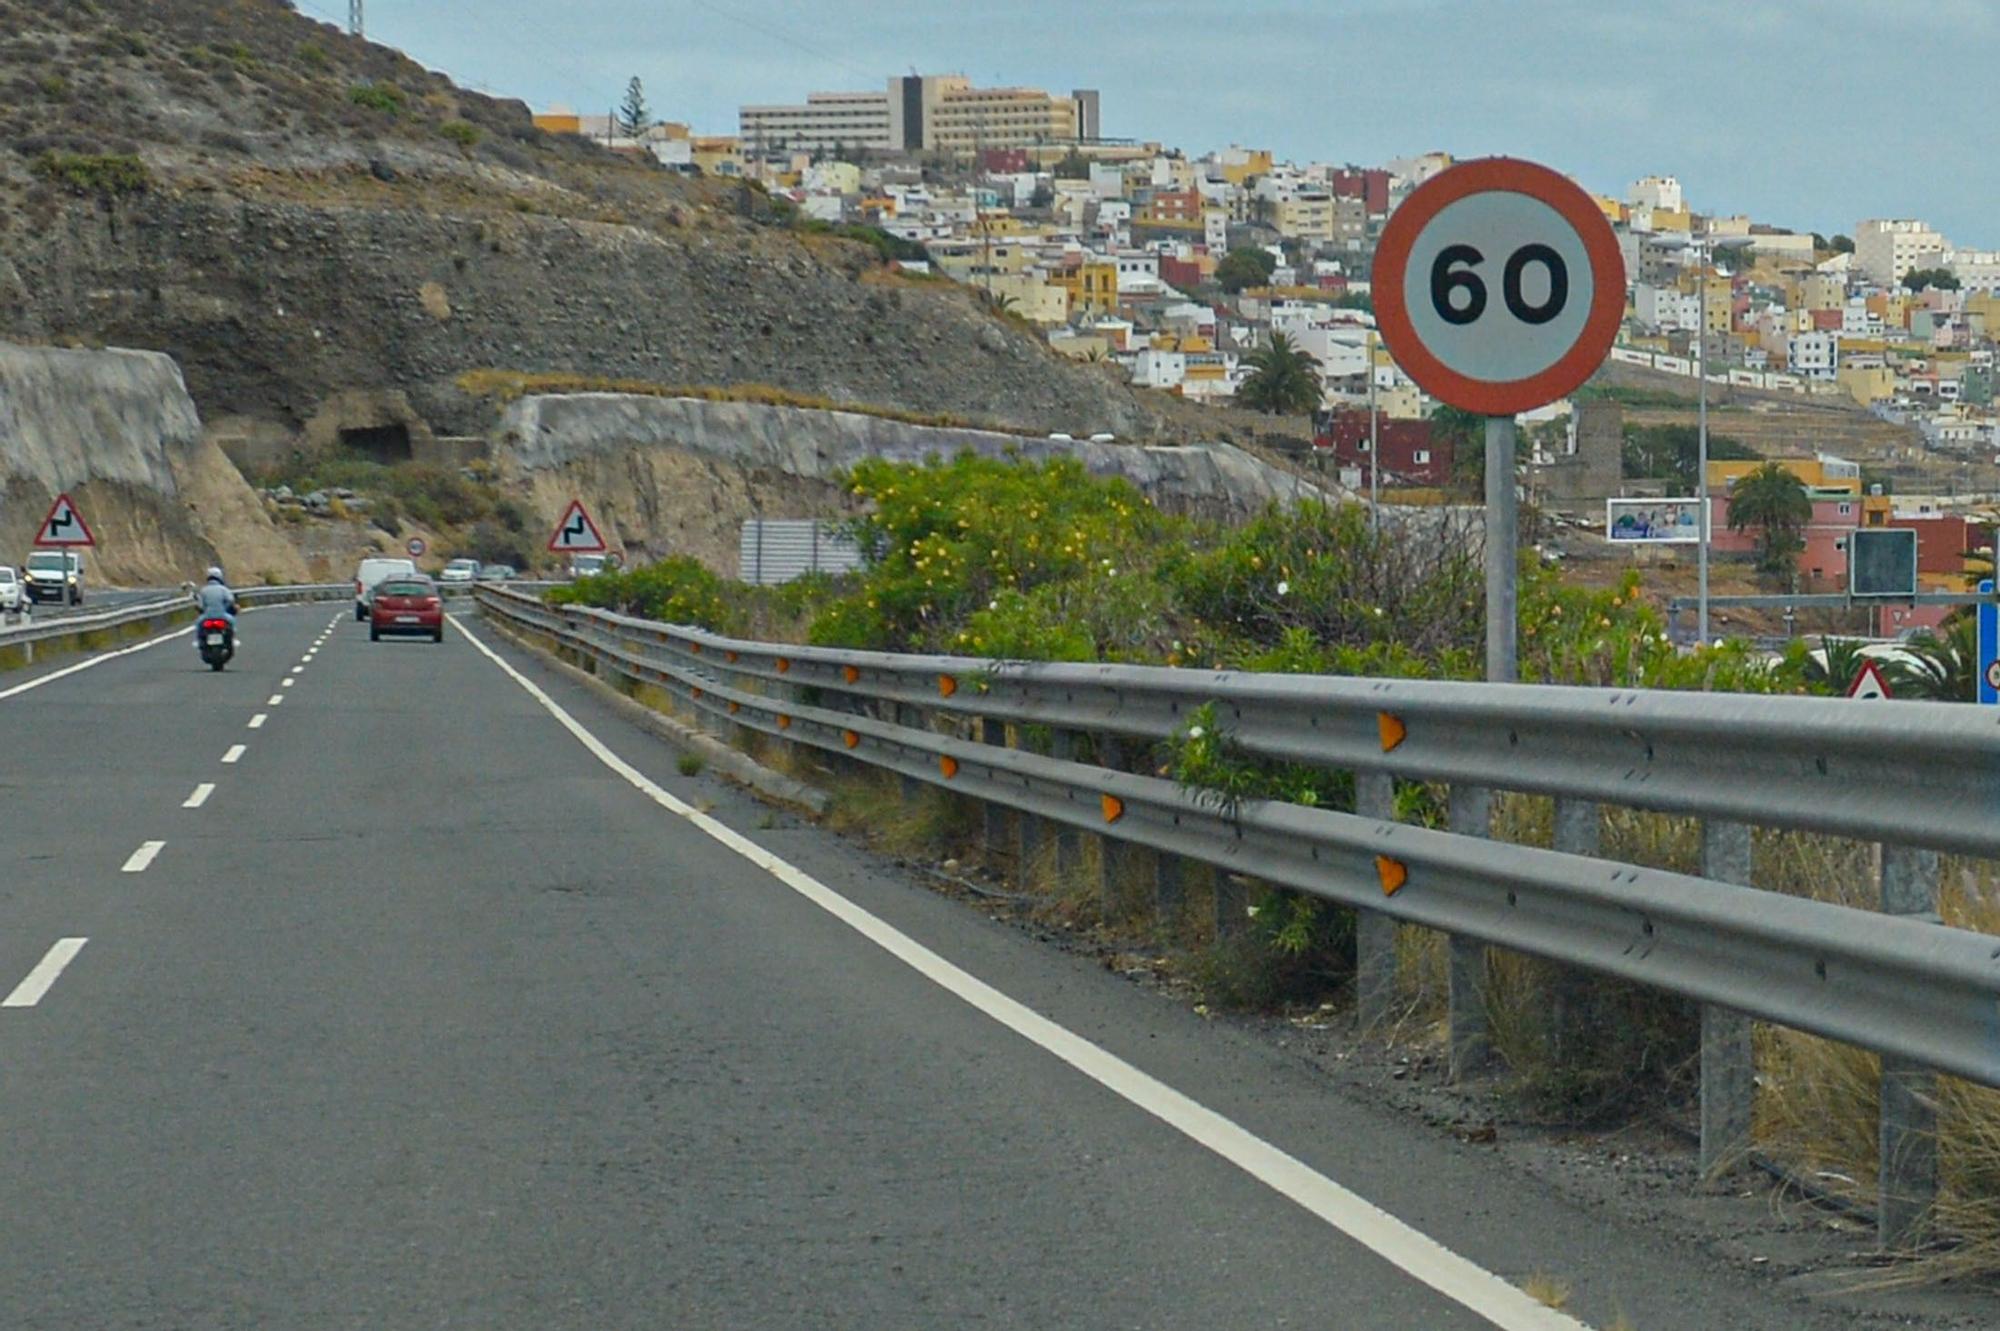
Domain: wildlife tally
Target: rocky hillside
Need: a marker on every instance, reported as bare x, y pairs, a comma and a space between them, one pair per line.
291, 213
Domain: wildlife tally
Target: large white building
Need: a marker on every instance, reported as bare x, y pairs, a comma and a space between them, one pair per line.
1885, 250
1660, 193
1977, 271
923, 113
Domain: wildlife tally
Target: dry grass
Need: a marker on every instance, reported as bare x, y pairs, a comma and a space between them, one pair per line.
1547, 1290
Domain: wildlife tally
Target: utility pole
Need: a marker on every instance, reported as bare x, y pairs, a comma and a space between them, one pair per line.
1374, 444
355, 27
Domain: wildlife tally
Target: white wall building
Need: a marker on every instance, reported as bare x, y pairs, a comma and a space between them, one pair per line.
1814, 355
1661, 192
1885, 249
1977, 271
1154, 368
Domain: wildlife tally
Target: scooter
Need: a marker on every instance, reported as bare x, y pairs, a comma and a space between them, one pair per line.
218, 642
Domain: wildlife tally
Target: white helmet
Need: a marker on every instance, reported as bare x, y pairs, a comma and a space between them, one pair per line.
215, 575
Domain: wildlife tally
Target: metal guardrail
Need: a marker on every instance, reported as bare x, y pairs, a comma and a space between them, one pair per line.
1921, 777
155, 612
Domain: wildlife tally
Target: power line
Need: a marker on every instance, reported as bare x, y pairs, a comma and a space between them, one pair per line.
355, 27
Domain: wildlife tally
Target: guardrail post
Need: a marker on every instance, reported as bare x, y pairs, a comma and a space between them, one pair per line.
910, 719
1728, 1066
1578, 831
1908, 1136
1110, 754
1168, 890
1374, 932
1027, 827
1469, 813
1069, 838
994, 814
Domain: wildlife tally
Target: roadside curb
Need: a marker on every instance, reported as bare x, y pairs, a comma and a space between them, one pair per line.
730, 762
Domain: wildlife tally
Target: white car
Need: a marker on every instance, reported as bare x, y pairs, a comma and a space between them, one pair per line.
371, 572
13, 597
460, 570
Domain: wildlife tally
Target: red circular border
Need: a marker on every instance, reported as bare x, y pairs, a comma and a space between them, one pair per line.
1607, 271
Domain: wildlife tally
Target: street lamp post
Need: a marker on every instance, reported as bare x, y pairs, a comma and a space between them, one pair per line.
1374, 443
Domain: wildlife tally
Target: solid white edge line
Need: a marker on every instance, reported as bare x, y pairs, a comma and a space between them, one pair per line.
1409, 1249
143, 857
257, 721
42, 978
236, 752
200, 796
68, 670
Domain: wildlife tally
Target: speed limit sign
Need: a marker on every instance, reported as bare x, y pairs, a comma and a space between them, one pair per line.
1498, 286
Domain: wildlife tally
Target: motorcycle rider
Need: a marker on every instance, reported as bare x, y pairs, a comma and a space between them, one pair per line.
214, 600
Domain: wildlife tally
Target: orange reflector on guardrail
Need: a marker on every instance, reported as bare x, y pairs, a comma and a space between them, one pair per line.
947, 686
695, 694
850, 738
731, 657
1393, 873
784, 664
784, 723
1114, 808
695, 647
948, 765
850, 673
1393, 730
736, 707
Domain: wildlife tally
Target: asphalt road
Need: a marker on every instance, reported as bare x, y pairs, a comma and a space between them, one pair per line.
400, 1007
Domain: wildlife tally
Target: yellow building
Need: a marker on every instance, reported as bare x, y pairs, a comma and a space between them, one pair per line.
1876, 383
1810, 472
1614, 211
1822, 291
1306, 217
718, 154
559, 122
1240, 164
1092, 287
965, 119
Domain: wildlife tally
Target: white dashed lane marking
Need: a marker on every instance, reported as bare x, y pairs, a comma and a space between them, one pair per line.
144, 856
235, 752
257, 721
200, 796
39, 980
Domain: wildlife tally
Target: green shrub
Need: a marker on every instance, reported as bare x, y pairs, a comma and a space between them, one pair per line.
108, 174
461, 132
679, 590
313, 56
54, 87
384, 97
690, 763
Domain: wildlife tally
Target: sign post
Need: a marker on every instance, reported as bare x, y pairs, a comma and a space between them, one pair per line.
1989, 646
1499, 288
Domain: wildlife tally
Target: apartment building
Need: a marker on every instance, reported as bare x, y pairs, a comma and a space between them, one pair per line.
927, 113
1886, 249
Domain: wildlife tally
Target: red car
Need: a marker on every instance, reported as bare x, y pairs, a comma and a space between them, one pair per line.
405, 605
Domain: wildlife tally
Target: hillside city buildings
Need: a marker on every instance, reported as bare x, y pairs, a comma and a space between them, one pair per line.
1115, 250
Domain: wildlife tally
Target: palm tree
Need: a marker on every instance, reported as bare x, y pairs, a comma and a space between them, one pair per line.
1771, 500
1283, 378
1944, 668
1839, 661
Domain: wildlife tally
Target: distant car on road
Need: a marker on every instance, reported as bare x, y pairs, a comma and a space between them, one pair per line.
55, 575
497, 573
13, 596
371, 572
460, 570
406, 606
588, 566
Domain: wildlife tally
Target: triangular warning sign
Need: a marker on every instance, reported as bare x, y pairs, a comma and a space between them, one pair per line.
64, 525
1868, 683
576, 534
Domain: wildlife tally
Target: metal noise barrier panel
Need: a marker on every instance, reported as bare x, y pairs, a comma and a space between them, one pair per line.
1903, 985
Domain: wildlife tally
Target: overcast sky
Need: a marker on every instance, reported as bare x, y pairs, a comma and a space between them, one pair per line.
1812, 114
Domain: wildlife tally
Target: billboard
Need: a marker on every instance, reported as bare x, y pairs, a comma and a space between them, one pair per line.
1653, 521
1882, 561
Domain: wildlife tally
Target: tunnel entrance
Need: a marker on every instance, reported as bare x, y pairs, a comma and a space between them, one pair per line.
378, 443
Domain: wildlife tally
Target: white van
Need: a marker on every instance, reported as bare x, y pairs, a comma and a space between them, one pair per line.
373, 571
